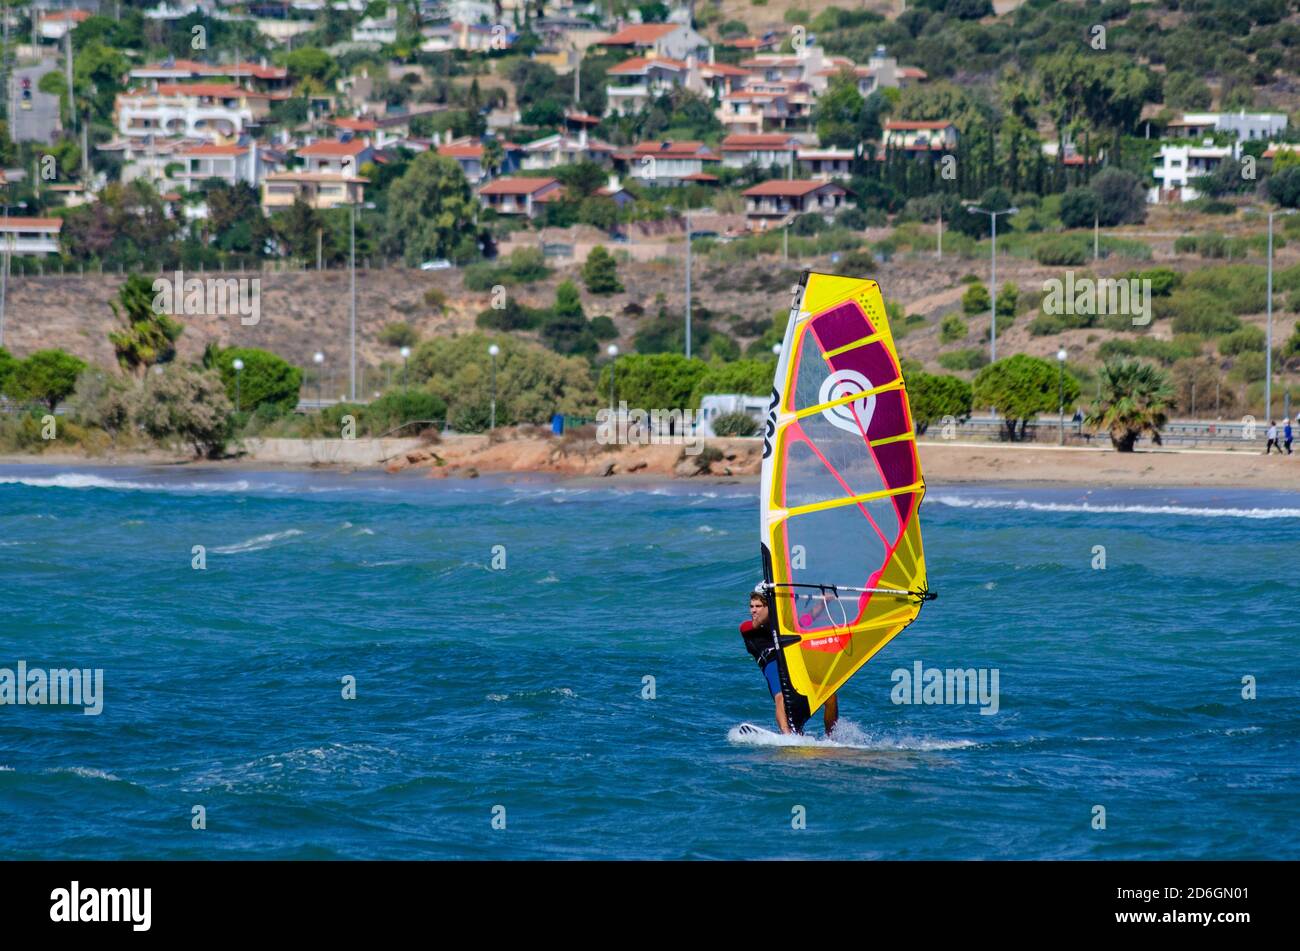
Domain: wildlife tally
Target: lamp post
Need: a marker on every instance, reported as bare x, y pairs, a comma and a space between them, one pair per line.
318, 358
239, 370
1268, 343
1060, 393
492, 352
406, 353
612, 350
688, 283
993, 276
352, 292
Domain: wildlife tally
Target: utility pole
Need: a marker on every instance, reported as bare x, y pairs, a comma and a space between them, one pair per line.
688, 283
352, 279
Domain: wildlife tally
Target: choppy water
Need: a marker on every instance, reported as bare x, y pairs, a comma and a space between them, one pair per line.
522, 688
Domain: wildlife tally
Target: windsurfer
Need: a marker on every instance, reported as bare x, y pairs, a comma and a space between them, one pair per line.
757, 632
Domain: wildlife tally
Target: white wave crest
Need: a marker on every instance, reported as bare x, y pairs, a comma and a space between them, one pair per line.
81, 480
258, 543
1114, 509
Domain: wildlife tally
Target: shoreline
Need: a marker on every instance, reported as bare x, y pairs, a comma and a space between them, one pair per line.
467, 457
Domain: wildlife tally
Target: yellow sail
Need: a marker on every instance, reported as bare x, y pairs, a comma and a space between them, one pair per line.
841, 490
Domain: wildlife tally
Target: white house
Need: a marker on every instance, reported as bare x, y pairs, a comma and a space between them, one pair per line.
230, 163
1244, 125
764, 151
634, 83
376, 29
203, 110
671, 163
1178, 165
30, 235
774, 202
826, 163
669, 40
561, 149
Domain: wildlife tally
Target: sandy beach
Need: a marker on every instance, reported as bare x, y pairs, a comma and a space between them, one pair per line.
944, 463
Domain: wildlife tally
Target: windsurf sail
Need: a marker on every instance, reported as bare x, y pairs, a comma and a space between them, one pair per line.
841, 488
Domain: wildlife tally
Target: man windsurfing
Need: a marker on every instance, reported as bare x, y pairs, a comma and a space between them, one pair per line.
761, 644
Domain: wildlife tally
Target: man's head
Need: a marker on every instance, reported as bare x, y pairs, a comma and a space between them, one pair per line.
757, 608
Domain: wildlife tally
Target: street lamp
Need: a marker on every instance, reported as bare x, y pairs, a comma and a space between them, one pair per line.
1060, 392
776, 349
318, 358
405, 352
492, 352
612, 350
993, 276
1268, 343
239, 369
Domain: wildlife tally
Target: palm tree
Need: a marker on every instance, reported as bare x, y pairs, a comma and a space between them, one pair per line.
1135, 399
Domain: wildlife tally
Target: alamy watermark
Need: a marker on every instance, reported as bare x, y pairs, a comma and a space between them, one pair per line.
209, 296
656, 427
1128, 297
58, 686
952, 686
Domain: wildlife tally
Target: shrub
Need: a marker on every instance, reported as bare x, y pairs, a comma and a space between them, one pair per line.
1246, 340
402, 405
266, 378
1061, 252
600, 272
975, 300
735, 424
187, 406
952, 328
400, 334
970, 359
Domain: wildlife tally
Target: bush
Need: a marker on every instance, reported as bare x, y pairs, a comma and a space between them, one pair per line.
47, 376
187, 406
1166, 351
400, 406
103, 401
735, 424
1061, 252
1246, 340
975, 300
400, 334
952, 328
1197, 311
971, 359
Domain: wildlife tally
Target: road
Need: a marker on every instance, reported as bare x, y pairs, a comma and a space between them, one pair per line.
41, 122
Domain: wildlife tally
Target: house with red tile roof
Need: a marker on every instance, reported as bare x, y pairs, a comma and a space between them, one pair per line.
918, 137
773, 203
520, 195
338, 156
634, 83
671, 40
763, 150
670, 163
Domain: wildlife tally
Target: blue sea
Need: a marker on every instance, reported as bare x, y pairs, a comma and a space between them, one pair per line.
550, 669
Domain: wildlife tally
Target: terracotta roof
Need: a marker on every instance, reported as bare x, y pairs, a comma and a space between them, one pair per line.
639, 64
31, 224
674, 150
221, 90
355, 125
786, 189
58, 16
744, 143
723, 69
516, 186
209, 69
331, 148
461, 151
581, 118
904, 126
642, 34
699, 177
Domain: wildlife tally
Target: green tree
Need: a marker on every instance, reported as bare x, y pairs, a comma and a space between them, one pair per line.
745, 377
659, 380
430, 209
1121, 197
148, 334
103, 400
1135, 399
975, 300
398, 334
934, 396
186, 406
532, 382
7, 366
567, 330
600, 272
48, 376
266, 380
1078, 207
838, 110
1021, 387
310, 63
